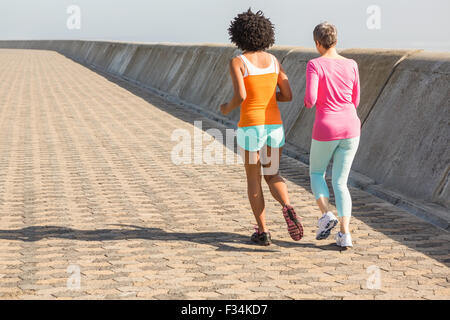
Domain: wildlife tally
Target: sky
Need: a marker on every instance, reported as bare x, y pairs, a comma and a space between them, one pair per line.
417, 24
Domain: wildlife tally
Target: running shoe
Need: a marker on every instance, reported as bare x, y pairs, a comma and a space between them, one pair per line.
263, 238
344, 240
327, 222
294, 225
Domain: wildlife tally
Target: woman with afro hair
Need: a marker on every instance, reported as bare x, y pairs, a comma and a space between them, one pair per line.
256, 75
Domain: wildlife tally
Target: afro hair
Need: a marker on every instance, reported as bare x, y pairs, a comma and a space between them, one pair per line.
252, 31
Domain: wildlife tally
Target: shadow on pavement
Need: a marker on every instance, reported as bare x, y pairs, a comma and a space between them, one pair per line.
220, 240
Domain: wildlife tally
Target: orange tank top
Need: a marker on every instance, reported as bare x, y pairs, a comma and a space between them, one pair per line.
260, 106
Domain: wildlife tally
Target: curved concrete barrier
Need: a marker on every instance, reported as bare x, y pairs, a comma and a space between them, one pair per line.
405, 140
137, 63
160, 66
207, 73
120, 58
404, 103
294, 63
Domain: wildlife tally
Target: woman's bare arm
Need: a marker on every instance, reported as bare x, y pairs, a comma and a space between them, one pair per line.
285, 93
238, 84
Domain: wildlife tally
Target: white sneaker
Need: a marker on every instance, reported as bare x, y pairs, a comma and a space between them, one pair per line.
325, 224
344, 239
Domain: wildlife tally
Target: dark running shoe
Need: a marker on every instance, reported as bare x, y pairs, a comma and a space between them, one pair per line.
262, 238
294, 225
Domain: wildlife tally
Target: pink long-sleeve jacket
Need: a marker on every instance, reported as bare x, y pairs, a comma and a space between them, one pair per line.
333, 86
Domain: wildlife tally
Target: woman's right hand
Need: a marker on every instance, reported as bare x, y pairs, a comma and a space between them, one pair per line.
224, 109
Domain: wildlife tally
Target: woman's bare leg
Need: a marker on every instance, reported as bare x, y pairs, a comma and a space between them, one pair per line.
254, 189
322, 202
345, 224
276, 183
279, 191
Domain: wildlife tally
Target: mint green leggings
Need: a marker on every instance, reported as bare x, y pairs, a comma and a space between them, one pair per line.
342, 152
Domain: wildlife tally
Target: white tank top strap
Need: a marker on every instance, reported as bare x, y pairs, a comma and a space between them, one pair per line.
245, 64
251, 69
275, 61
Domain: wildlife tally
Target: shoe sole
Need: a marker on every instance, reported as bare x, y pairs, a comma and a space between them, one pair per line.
295, 228
326, 233
262, 244
265, 244
344, 247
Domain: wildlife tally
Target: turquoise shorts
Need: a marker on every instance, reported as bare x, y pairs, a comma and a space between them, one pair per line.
253, 138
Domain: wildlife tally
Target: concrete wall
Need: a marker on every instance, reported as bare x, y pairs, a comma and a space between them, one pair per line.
406, 137
404, 108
